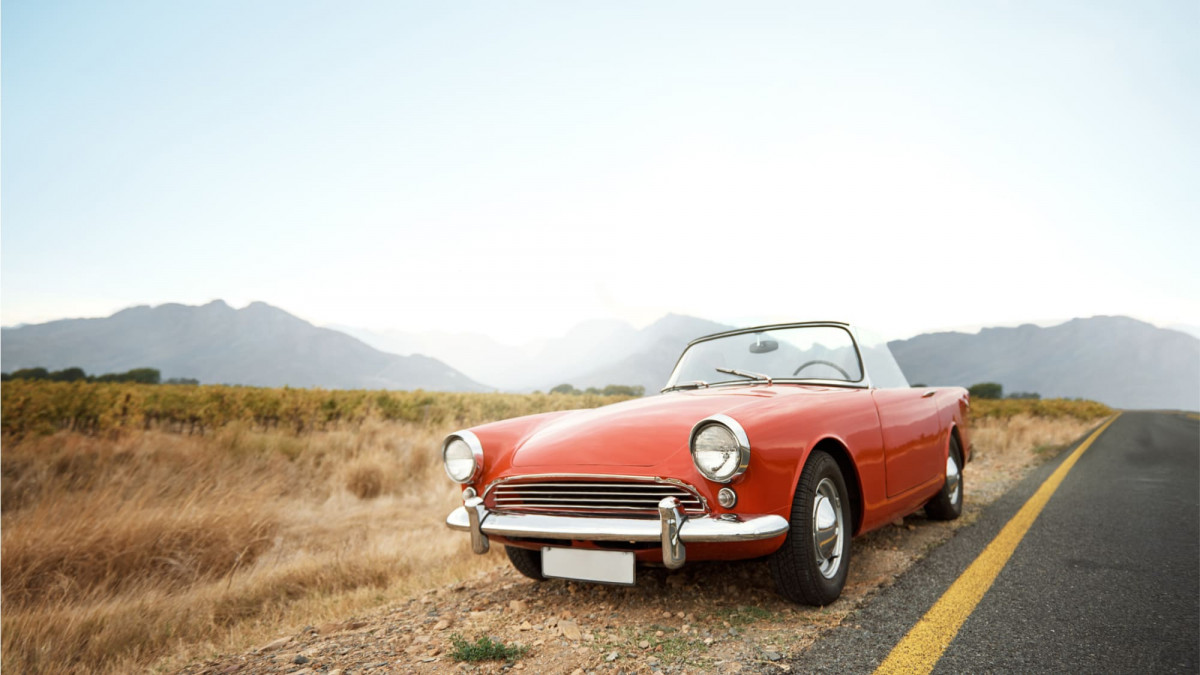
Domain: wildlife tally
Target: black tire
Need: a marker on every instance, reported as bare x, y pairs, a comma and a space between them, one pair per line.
527, 562
803, 571
947, 505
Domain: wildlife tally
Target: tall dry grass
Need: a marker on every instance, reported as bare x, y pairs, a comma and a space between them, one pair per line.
122, 550
119, 551
1002, 447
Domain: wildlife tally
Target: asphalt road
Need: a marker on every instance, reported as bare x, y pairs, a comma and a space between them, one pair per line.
1106, 580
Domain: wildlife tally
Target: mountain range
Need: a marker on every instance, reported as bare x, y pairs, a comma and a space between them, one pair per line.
1117, 360
591, 354
257, 345
1113, 359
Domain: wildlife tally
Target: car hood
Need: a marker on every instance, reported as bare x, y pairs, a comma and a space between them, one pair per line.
643, 432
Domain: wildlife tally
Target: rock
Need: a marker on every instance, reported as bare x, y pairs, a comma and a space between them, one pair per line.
335, 671
578, 671
570, 630
659, 633
772, 656
275, 644
517, 606
327, 628
666, 615
612, 656
441, 625
354, 625
300, 660
525, 625
679, 615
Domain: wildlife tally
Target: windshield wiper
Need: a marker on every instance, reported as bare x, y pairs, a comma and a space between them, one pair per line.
694, 384
745, 374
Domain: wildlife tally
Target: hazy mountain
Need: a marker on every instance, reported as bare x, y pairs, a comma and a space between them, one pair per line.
591, 354
1116, 360
257, 345
645, 358
512, 367
475, 354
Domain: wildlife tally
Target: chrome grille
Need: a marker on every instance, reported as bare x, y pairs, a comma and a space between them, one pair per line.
591, 497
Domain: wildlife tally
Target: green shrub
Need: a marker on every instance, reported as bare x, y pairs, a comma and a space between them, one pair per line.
484, 649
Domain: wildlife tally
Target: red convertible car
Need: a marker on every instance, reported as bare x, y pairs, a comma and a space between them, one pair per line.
780, 441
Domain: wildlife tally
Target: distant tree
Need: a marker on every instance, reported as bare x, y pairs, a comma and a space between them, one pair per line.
1025, 395
144, 375
986, 390
624, 390
68, 375
31, 374
564, 388
182, 380
139, 375
915, 386
593, 391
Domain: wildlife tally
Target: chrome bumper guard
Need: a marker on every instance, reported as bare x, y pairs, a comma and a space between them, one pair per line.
673, 528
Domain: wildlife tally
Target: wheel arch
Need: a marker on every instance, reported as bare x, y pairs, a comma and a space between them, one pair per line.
841, 454
956, 436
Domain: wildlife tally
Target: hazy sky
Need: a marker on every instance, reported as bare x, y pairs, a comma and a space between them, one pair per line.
515, 167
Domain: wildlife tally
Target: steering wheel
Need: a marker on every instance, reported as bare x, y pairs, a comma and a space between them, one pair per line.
823, 363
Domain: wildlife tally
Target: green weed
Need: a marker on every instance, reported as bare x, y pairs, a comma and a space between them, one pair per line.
484, 649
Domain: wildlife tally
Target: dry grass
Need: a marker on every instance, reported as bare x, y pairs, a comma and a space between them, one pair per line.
117, 552
1002, 447
150, 547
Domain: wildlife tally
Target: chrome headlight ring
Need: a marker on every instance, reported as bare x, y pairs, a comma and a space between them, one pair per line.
720, 448
462, 457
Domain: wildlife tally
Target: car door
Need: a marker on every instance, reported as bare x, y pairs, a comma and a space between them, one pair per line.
908, 420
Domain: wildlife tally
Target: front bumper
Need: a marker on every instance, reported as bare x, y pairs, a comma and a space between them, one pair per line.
672, 528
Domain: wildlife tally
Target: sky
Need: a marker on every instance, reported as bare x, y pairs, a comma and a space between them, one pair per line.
515, 168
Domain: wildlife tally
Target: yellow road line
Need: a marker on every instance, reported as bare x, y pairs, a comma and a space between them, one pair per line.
925, 642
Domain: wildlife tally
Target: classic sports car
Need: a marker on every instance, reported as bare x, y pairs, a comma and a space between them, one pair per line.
778, 441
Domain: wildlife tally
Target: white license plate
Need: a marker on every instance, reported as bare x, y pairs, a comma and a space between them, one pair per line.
606, 567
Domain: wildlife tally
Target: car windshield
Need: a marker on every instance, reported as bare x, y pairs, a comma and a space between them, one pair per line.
790, 353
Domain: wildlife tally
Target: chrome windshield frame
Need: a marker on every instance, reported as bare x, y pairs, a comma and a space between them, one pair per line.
863, 382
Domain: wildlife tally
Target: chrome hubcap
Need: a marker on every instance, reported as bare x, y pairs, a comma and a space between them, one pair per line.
827, 528
953, 479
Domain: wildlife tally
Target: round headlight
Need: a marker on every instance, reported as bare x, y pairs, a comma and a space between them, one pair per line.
720, 448
463, 456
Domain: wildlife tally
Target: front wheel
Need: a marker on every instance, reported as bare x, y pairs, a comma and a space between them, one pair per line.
947, 505
527, 562
811, 566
